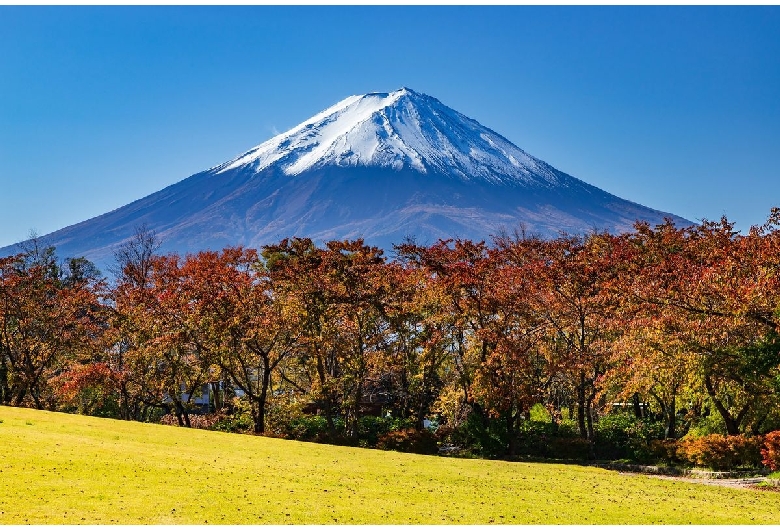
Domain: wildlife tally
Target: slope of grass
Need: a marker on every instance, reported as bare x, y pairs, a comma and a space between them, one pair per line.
63, 469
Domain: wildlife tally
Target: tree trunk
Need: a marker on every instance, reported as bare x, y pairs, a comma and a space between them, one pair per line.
419, 416
218, 396
124, 402
581, 407
637, 406
20, 397
326, 396
589, 416
259, 416
178, 414
732, 423
5, 394
511, 422
671, 419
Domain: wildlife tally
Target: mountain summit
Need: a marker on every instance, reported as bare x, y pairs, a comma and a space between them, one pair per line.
381, 166
398, 130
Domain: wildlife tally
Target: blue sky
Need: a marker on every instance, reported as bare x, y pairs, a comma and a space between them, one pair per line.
677, 108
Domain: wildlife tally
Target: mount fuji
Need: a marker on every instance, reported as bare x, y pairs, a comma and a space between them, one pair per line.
381, 166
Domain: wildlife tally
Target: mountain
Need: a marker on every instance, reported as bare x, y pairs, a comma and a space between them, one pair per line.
382, 166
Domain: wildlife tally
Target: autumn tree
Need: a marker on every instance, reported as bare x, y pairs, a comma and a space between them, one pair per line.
132, 272
577, 302
456, 284
515, 371
652, 360
340, 293
235, 316
480, 325
723, 287
163, 366
50, 315
417, 359
295, 267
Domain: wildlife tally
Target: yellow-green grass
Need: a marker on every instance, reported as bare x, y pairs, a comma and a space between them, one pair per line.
65, 469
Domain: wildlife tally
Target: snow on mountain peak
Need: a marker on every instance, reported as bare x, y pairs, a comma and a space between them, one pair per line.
401, 129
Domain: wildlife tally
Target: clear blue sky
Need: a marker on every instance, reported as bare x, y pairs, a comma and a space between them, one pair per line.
677, 108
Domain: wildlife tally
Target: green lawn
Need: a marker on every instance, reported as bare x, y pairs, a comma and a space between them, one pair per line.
64, 469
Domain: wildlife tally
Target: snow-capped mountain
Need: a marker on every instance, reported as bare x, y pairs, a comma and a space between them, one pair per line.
399, 130
381, 166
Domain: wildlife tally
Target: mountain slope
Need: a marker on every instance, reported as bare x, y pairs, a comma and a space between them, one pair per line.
380, 166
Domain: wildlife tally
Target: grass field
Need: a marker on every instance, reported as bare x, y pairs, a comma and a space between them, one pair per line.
64, 469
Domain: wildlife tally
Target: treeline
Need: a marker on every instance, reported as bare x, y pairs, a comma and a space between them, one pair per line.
676, 326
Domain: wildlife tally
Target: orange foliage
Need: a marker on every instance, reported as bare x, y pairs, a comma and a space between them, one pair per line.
770, 452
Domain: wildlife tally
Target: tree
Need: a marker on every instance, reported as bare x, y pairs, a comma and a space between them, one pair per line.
456, 277
416, 361
479, 313
724, 288
134, 257
577, 301
514, 371
163, 366
296, 269
247, 331
49, 318
339, 295
652, 359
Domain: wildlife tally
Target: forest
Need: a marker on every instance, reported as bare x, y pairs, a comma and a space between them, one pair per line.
660, 344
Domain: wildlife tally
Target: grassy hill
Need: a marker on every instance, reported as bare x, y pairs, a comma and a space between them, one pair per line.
64, 469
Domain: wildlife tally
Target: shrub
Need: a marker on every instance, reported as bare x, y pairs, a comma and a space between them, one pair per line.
566, 429
235, 416
409, 441
197, 421
665, 451
371, 428
770, 452
539, 413
720, 452
569, 448
547, 440
707, 424
481, 435
312, 428
623, 435
239, 422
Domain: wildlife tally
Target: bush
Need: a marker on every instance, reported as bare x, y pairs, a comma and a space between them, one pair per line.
197, 421
568, 448
312, 428
706, 425
720, 452
409, 441
236, 416
547, 440
566, 429
479, 435
665, 451
770, 452
371, 428
623, 435
534, 438
236, 422
539, 413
